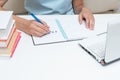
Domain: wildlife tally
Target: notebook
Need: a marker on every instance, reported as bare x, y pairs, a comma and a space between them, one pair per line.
67, 28
105, 48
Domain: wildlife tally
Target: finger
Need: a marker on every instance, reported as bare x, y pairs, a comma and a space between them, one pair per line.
80, 18
92, 22
44, 26
41, 30
37, 34
44, 23
87, 23
36, 28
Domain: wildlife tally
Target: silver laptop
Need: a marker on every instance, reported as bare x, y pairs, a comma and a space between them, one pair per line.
105, 47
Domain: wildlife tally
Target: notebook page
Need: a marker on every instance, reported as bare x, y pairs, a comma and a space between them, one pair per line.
54, 35
74, 30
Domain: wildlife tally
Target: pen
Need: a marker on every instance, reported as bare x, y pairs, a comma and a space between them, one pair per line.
38, 20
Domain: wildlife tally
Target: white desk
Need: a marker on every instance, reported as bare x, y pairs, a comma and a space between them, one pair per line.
61, 61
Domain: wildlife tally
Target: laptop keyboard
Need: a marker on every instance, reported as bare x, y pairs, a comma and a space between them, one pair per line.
98, 48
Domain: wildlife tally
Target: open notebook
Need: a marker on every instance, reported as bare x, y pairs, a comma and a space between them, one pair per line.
67, 28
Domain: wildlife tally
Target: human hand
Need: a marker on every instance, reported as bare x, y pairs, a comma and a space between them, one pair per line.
32, 27
88, 16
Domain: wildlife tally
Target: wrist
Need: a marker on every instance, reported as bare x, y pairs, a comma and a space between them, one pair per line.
78, 9
21, 23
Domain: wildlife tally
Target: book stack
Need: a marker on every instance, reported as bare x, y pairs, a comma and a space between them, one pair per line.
9, 36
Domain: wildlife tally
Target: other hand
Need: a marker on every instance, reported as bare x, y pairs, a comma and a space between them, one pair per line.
87, 15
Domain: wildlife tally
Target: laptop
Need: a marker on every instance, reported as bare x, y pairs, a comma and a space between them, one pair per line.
105, 48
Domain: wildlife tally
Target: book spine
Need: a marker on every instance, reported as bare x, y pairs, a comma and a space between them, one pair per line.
15, 44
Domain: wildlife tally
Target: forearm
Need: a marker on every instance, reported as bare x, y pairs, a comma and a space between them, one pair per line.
77, 6
21, 23
2, 2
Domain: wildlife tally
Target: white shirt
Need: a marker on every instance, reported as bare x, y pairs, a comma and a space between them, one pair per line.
49, 6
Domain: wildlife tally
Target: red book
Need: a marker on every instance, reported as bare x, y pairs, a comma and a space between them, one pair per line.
8, 51
15, 44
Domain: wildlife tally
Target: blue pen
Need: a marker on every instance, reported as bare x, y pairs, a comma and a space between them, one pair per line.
38, 20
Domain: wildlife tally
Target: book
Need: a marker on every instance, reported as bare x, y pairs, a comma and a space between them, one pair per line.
6, 27
8, 51
9, 37
67, 28
6, 35
15, 44
5, 19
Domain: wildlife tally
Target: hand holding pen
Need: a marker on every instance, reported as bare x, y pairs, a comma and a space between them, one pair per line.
40, 27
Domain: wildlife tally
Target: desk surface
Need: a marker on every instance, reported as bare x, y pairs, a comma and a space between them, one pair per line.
61, 61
